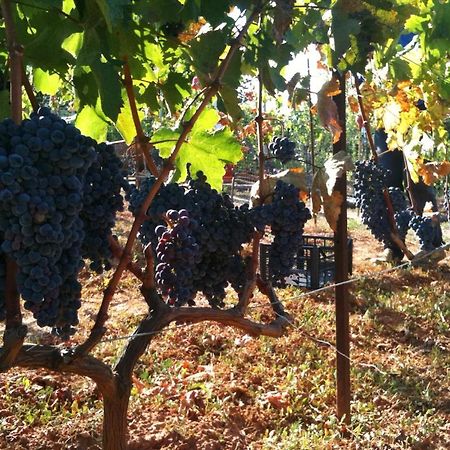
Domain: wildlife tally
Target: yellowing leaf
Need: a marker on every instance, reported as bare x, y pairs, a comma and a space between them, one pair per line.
432, 171
391, 116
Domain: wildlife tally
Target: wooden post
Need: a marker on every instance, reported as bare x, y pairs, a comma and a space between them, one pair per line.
311, 125
341, 270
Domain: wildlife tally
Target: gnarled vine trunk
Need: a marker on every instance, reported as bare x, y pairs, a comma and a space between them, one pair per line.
115, 422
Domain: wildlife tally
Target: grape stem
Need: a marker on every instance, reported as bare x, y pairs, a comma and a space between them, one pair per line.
141, 140
15, 332
387, 198
29, 90
117, 251
210, 92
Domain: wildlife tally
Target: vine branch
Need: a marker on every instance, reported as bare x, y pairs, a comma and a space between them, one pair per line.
142, 141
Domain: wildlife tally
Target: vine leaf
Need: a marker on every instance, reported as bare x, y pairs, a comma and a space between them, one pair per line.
326, 108
282, 18
125, 123
109, 86
296, 176
45, 82
207, 148
323, 193
91, 124
432, 171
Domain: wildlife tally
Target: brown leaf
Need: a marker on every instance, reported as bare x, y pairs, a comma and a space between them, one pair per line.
323, 193
332, 208
318, 186
295, 176
327, 110
432, 171
282, 18
277, 400
353, 103
335, 166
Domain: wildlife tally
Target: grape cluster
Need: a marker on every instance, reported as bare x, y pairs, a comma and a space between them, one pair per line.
45, 217
287, 216
369, 183
282, 149
102, 200
398, 199
428, 233
177, 253
221, 231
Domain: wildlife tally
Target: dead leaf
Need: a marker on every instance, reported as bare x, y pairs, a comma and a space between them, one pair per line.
335, 167
277, 400
327, 110
332, 208
263, 195
322, 192
353, 103
432, 171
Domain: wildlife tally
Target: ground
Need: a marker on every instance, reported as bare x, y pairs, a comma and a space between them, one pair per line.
207, 387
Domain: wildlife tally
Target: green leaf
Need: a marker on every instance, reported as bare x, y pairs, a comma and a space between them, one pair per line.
90, 124
209, 152
400, 70
86, 87
68, 5
168, 135
416, 23
45, 82
206, 50
342, 26
215, 12
109, 86
112, 10
205, 149
175, 90
162, 11
208, 119
230, 100
5, 108
149, 97
125, 124
73, 43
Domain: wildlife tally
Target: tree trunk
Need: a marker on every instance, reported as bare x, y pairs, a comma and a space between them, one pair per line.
115, 422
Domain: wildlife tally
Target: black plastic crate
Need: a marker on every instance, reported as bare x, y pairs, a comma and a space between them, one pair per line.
314, 265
